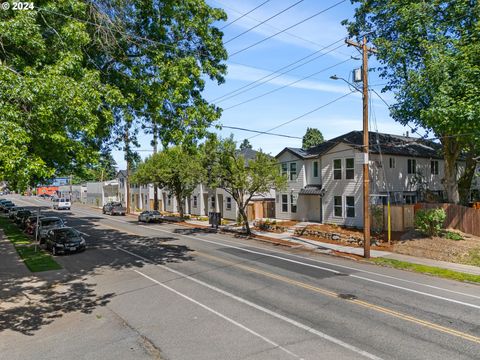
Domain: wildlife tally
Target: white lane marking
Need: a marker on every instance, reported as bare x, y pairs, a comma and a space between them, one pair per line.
346, 267
257, 307
277, 346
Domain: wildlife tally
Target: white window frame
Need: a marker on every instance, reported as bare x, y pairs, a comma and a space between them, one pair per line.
315, 169
229, 203
293, 203
195, 201
284, 196
347, 207
392, 163
434, 167
292, 173
284, 169
352, 169
414, 162
339, 170
338, 206
212, 202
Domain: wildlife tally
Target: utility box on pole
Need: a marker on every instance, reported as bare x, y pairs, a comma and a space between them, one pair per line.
357, 75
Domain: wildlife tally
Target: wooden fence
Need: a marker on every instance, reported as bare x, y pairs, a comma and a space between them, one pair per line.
459, 217
401, 217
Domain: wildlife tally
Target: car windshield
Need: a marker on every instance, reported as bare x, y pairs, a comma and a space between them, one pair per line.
155, 212
51, 222
66, 234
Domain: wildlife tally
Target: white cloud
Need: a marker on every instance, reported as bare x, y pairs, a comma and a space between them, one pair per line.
249, 73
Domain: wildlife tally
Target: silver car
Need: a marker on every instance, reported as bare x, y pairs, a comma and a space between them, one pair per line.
150, 216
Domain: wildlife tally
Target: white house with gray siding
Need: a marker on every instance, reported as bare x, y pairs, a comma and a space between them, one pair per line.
325, 182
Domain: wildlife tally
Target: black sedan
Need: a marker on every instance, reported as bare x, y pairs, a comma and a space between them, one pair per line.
64, 240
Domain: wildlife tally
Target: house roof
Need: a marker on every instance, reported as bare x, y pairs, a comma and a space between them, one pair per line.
312, 189
122, 173
385, 143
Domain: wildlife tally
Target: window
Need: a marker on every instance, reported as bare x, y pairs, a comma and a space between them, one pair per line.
293, 203
229, 203
350, 206
284, 203
212, 202
411, 166
195, 201
293, 171
337, 169
315, 169
337, 206
392, 163
434, 167
349, 169
410, 199
284, 169
169, 200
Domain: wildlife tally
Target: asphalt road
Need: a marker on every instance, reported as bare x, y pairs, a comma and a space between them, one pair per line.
172, 292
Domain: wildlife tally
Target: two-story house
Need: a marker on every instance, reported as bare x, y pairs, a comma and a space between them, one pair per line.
325, 182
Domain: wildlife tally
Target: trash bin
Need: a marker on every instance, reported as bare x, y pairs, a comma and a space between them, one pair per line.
214, 219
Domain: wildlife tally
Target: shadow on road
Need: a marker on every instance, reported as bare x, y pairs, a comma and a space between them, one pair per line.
27, 303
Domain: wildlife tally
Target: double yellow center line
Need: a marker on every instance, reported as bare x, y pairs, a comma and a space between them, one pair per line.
362, 303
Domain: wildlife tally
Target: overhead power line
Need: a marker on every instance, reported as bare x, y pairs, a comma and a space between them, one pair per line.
304, 114
279, 72
286, 29
260, 132
263, 22
285, 86
243, 15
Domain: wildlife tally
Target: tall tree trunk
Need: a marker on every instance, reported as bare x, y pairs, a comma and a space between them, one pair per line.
465, 181
180, 206
450, 180
244, 216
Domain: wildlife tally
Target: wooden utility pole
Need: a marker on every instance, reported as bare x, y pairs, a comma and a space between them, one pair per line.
366, 182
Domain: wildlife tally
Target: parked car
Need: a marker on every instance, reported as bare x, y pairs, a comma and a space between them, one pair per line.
5, 202
44, 196
114, 208
150, 216
7, 206
64, 240
13, 211
48, 223
61, 203
21, 216
31, 224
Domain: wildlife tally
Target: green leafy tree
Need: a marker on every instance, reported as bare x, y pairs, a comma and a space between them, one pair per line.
171, 49
176, 169
73, 73
245, 145
312, 137
242, 178
49, 89
428, 51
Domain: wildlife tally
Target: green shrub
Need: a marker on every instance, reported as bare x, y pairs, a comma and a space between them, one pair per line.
453, 236
430, 222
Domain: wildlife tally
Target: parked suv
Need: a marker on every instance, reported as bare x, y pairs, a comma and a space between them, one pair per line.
61, 203
48, 223
114, 208
150, 216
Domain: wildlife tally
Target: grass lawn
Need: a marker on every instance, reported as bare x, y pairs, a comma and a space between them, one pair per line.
35, 261
424, 269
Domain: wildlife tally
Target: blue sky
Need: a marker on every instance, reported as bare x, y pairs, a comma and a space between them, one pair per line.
290, 96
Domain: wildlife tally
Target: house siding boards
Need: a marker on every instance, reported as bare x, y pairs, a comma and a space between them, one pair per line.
342, 187
293, 186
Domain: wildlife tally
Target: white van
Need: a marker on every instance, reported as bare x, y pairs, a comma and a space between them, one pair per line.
61, 203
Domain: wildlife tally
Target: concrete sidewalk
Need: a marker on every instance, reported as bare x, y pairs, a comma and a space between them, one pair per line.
329, 248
